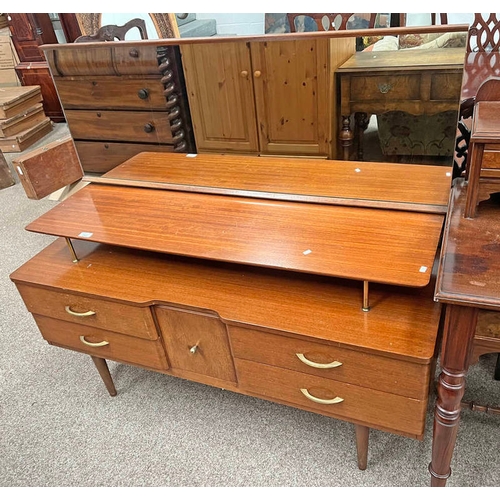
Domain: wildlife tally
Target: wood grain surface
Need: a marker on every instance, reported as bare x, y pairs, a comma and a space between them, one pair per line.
410, 187
324, 309
386, 246
469, 271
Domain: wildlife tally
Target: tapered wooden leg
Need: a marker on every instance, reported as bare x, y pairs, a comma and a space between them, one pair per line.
362, 434
455, 353
102, 368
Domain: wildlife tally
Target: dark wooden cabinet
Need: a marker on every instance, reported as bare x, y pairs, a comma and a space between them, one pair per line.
29, 31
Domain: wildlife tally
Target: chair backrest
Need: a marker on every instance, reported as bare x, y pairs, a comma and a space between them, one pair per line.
484, 34
443, 18
325, 22
112, 32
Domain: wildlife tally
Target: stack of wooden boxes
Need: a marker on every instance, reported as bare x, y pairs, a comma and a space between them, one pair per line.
22, 118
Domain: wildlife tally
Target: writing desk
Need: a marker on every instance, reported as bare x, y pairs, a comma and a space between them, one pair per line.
415, 81
249, 293
468, 281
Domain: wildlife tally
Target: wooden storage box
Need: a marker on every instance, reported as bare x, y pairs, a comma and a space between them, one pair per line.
48, 168
17, 100
25, 139
24, 121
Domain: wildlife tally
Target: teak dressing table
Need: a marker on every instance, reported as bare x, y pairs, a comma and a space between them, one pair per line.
304, 282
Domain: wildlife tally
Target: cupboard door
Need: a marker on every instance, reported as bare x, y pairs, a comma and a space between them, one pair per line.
220, 90
291, 96
196, 342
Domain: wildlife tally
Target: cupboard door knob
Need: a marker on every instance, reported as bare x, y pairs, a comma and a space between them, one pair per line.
93, 344
143, 93
257, 74
308, 362
244, 74
80, 315
148, 128
333, 401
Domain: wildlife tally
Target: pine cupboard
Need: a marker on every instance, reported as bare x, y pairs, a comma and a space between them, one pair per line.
271, 97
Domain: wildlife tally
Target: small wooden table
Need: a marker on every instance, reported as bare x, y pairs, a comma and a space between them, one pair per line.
468, 281
415, 81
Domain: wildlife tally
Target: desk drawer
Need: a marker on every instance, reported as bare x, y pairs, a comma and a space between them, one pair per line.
390, 87
370, 407
109, 345
491, 158
120, 126
112, 92
97, 156
114, 316
367, 370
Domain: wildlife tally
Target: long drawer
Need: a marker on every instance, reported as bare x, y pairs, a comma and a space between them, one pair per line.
111, 92
103, 343
89, 311
120, 126
345, 401
336, 363
98, 156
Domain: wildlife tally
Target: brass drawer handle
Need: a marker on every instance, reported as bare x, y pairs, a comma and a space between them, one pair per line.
306, 361
333, 401
384, 87
93, 344
80, 315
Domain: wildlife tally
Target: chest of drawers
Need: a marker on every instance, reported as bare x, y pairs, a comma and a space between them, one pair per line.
215, 289
120, 101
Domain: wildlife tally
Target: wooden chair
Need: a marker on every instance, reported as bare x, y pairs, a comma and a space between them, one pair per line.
483, 36
327, 22
112, 32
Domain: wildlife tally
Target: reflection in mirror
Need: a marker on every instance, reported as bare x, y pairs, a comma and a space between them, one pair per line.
303, 95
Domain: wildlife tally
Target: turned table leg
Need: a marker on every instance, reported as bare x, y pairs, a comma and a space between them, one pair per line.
362, 434
346, 137
102, 368
455, 351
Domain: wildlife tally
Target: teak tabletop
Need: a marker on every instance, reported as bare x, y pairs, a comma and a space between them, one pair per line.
423, 188
378, 245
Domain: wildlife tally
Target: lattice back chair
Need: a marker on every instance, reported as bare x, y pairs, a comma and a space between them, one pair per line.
112, 32
484, 34
325, 22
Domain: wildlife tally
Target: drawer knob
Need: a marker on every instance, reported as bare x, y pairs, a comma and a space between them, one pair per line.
148, 128
80, 315
384, 87
244, 74
93, 344
143, 93
257, 74
333, 401
308, 362
133, 53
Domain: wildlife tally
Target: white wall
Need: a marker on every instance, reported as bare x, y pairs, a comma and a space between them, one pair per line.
237, 24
